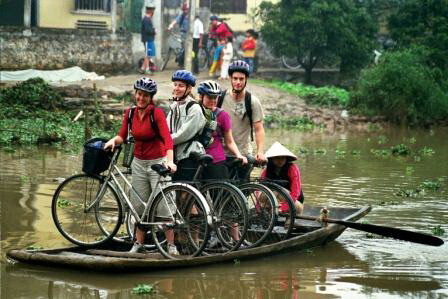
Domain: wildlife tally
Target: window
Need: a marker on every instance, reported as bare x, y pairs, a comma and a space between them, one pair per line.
93, 5
225, 6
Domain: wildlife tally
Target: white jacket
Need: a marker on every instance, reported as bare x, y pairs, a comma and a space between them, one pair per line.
184, 127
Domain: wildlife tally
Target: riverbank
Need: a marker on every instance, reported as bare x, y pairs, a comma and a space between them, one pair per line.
282, 109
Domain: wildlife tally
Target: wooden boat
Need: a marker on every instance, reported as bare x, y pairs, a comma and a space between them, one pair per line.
114, 256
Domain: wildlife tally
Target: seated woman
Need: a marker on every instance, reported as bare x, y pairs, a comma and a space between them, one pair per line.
280, 167
153, 145
208, 92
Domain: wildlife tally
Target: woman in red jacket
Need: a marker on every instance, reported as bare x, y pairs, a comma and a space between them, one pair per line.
153, 145
280, 167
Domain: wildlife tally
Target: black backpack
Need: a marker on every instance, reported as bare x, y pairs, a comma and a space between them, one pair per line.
248, 107
205, 136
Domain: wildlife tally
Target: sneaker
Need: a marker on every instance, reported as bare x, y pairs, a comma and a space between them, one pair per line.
172, 250
137, 248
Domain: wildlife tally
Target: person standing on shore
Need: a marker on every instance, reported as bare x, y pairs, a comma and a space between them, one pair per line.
148, 33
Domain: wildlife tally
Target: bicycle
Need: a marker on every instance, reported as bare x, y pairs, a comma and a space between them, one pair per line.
175, 46
260, 201
87, 210
229, 209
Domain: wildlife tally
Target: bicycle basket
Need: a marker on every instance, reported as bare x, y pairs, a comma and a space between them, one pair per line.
95, 159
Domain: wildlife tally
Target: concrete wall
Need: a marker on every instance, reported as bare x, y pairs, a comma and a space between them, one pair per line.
97, 51
62, 14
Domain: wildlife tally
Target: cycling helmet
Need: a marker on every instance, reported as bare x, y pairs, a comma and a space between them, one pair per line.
210, 88
214, 18
146, 84
184, 76
239, 66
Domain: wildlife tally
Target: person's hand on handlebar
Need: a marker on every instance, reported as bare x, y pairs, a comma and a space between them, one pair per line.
110, 145
242, 159
171, 166
260, 157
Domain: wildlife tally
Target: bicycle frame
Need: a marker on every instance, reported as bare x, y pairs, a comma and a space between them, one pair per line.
111, 176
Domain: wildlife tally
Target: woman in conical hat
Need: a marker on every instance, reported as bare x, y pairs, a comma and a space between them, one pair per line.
281, 167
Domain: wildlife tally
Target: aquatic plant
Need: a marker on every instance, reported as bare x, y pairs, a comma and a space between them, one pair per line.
382, 139
437, 231
142, 289
380, 152
409, 192
294, 122
400, 150
320, 151
34, 247
427, 151
409, 170
432, 185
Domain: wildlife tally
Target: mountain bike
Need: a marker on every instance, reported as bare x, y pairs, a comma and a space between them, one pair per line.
87, 210
261, 202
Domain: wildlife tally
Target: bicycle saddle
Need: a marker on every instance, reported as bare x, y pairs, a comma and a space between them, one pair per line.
160, 169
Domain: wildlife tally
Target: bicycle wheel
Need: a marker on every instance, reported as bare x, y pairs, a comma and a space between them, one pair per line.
229, 213
182, 212
166, 58
86, 227
285, 224
262, 212
290, 63
203, 58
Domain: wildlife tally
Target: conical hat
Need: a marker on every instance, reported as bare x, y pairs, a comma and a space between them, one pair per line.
278, 150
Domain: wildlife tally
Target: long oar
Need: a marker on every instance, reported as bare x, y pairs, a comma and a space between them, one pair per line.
386, 231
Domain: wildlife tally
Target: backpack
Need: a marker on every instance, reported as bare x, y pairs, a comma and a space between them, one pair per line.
228, 28
248, 107
211, 125
151, 120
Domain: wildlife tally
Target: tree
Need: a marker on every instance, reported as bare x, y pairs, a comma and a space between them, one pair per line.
425, 23
319, 30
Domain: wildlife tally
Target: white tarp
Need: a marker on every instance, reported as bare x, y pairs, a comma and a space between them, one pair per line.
71, 74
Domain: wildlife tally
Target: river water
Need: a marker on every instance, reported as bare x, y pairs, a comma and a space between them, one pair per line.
339, 169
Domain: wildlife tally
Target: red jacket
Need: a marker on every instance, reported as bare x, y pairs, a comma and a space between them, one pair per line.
149, 145
248, 44
294, 183
221, 31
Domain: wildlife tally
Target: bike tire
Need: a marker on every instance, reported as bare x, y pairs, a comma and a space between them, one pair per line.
183, 209
203, 59
166, 58
229, 213
86, 228
285, 224
290, 63
262, 212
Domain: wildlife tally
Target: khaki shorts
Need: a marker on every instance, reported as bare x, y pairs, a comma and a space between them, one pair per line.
144, 180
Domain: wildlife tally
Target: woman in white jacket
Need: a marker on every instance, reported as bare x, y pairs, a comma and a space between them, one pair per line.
185, 122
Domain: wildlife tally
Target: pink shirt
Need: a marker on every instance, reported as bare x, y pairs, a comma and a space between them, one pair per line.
216, 149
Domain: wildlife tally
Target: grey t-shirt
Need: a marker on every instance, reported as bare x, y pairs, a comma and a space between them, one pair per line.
240, 121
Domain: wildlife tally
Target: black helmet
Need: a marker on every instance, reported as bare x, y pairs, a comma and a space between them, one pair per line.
184, 76
239, 66
146, 84
210, 88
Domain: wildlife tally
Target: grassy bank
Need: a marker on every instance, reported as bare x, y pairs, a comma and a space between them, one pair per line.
327, 96
32, 113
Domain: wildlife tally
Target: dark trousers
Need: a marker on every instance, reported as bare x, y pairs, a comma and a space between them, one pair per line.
186, 169
216, 171
196, 54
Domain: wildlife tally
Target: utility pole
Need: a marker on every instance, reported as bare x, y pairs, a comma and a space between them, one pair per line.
189, 38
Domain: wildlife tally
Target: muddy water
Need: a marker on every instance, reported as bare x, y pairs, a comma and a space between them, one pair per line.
337, 170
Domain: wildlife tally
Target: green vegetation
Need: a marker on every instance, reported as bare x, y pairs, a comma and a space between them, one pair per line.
321, 31
403, 88
432, 185
32, 113
318, 96
34, 247
298, 123
400, 150
437, 231
142, 289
